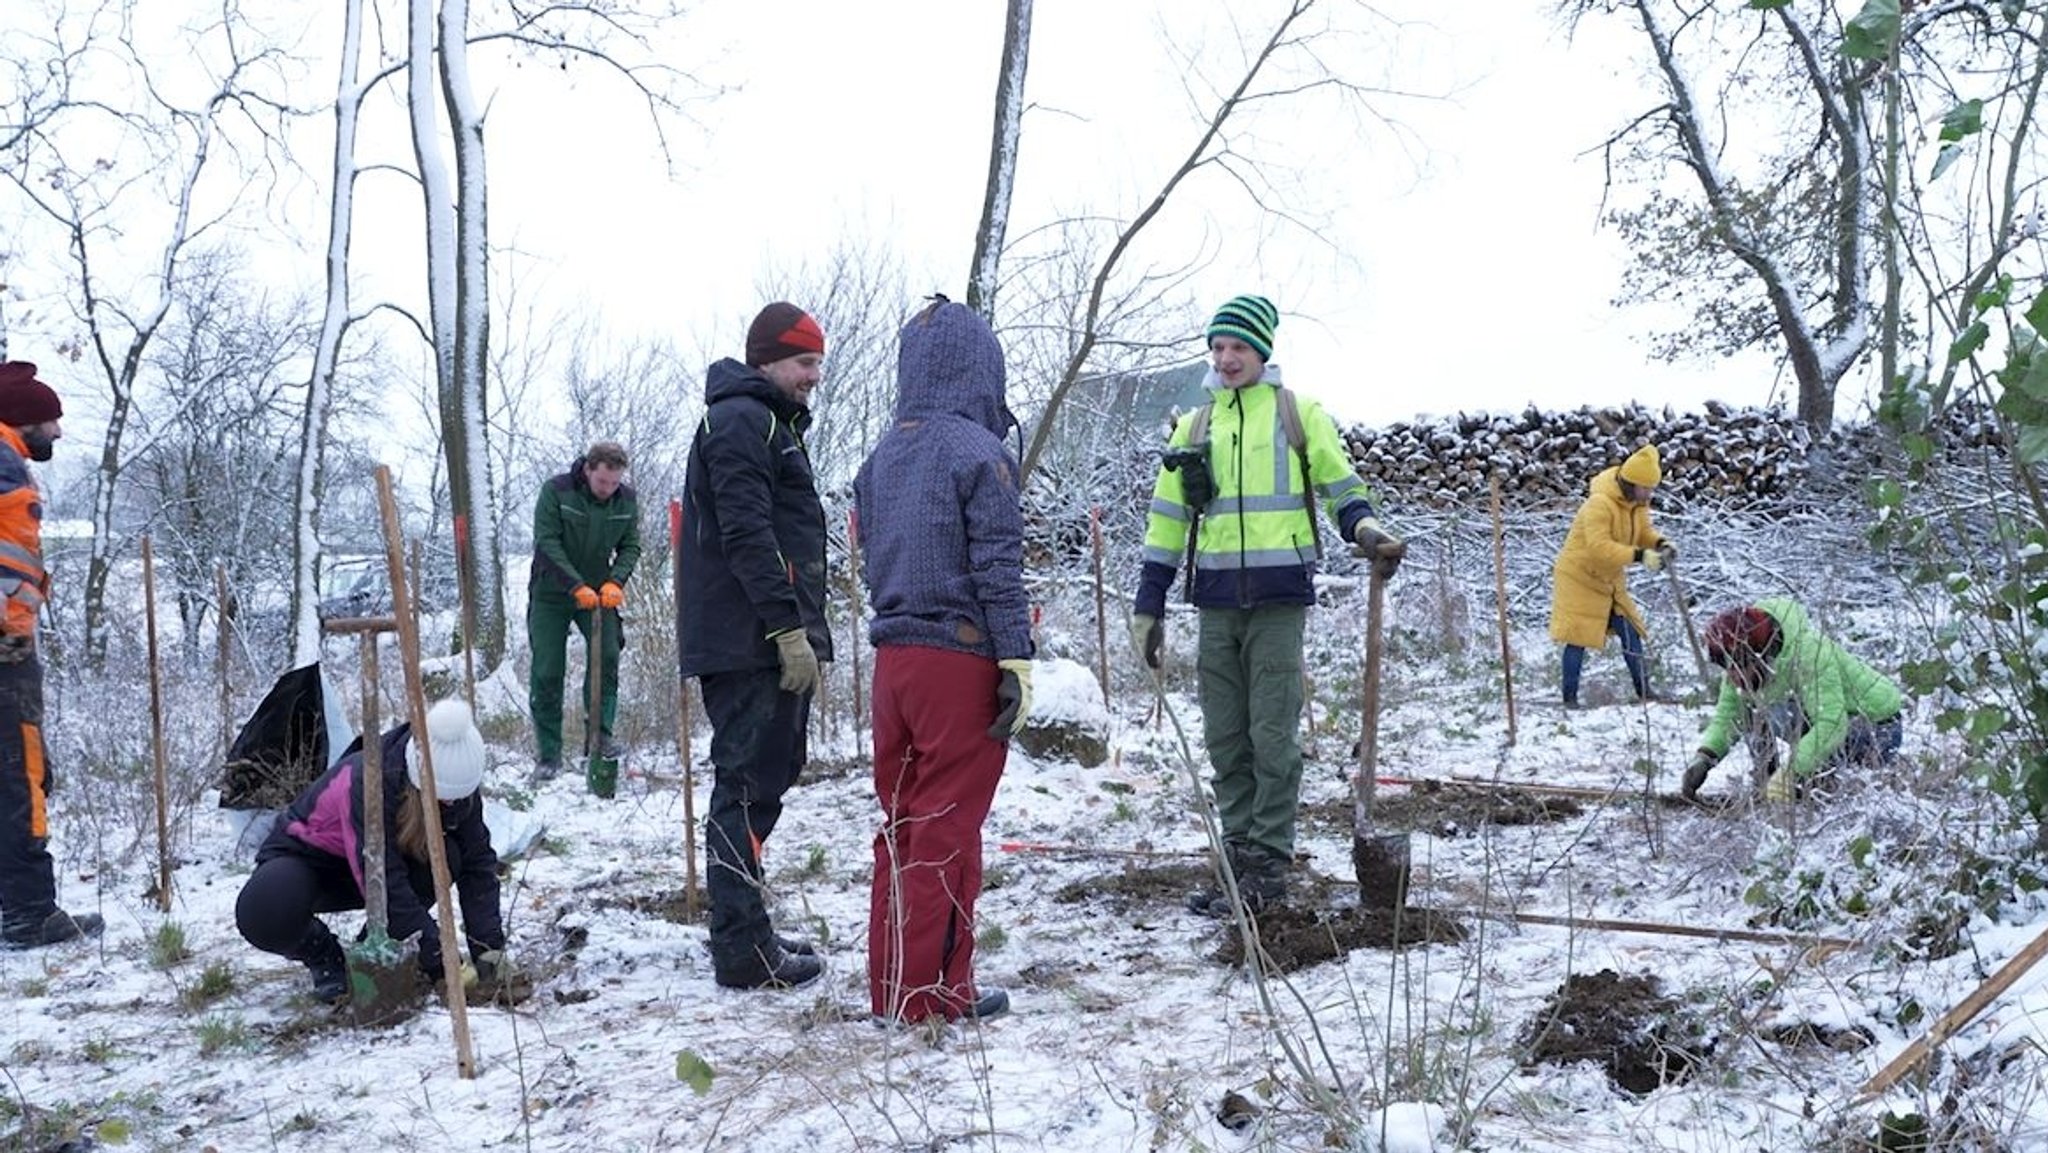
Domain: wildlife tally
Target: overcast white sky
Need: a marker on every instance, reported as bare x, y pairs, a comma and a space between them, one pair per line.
1462, 272
1467, 275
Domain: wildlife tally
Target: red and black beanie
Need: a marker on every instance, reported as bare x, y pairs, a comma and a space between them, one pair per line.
1739, 634
24, 400
781, 331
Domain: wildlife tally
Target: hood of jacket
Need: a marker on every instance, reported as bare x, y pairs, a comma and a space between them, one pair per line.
729, 378
951, 364
1607, 483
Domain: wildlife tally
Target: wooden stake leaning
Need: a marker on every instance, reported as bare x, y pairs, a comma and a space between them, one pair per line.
1500, 601
1699, 657
430, 805
156, 733
1953, 1021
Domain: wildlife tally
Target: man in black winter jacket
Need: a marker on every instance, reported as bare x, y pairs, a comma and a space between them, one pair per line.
752, 613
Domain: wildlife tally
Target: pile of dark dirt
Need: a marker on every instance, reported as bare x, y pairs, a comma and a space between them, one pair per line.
1139, 885
1444, 809
1643, 1038
1302, 933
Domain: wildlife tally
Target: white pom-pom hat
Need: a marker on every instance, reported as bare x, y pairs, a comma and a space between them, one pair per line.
458, 752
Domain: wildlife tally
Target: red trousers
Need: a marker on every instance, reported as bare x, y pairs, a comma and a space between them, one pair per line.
936, 770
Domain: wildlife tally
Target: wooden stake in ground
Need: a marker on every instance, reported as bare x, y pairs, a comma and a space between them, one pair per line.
1101, 609
221, 654
156, 733
1500, 602
675, 552
853, 584
1953, 1021
1380, 862
430, 805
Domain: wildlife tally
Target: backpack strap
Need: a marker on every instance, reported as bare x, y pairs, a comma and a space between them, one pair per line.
1297, 439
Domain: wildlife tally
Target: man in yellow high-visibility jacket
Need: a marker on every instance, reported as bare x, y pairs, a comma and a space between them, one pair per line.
1243, 473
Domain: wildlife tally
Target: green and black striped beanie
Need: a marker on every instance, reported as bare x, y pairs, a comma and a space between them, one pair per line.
1251, 319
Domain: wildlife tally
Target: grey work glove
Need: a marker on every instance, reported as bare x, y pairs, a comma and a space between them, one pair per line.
1147, 635
1013, 700
1385, 549
799, 662
1696, 775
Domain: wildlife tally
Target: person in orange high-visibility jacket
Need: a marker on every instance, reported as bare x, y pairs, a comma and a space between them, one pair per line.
29, 430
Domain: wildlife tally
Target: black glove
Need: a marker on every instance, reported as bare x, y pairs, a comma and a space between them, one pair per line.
17, 647
1696, 775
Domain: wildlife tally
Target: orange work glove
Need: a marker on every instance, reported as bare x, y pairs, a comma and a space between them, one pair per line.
610, 595
586, 597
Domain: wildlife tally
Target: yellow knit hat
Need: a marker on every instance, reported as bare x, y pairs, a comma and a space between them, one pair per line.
1641, 468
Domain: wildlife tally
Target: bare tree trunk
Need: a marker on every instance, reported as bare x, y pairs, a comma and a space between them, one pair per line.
1002, 160
457, 296
305, 603
465, 431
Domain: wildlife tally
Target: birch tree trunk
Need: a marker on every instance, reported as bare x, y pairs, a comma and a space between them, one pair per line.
458, 296
1002, 160
348, 95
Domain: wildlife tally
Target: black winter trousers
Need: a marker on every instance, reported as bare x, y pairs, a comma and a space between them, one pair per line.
28, 880
758, 746
278, 909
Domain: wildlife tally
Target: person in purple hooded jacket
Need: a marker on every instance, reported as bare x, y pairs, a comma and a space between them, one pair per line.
312, 862
941, 523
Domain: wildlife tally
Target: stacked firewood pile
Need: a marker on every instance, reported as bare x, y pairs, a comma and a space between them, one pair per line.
1546, 458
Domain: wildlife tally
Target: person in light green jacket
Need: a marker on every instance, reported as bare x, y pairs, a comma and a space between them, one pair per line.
1786, 681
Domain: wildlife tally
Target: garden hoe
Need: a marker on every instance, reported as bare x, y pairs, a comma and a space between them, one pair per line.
1381, 863
600, 772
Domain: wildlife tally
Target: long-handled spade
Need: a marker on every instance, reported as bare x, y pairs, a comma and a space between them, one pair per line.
1381, 863
600, 772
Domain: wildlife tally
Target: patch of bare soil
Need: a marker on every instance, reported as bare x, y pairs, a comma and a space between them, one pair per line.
1299, 933
1643, 1038
1446, 810
667, 904
1140, 885
1319, 921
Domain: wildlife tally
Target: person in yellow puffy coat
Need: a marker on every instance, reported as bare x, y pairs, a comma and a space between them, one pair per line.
1589, 580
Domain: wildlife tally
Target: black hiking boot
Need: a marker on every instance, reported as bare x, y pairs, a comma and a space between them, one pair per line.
987, 1004
546, 769
1211, 900
55, 929
321, 954
796, 946
786, 971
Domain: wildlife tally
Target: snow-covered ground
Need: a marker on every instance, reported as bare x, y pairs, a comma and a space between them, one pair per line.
1127, 1033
